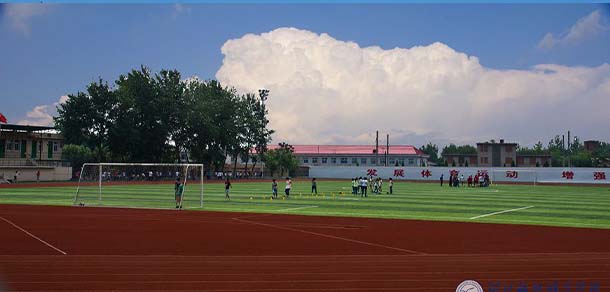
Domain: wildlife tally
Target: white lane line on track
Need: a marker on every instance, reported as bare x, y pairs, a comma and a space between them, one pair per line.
500, 212
298, 208
33, 236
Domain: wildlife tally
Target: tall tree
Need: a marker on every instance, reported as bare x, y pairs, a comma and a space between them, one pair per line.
432, 151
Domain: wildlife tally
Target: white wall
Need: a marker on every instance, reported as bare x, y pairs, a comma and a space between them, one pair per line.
29, 173
497, 174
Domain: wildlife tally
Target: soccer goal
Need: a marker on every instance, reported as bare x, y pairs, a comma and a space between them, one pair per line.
139, 185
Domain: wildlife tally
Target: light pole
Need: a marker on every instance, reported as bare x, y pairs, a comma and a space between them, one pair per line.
263, 94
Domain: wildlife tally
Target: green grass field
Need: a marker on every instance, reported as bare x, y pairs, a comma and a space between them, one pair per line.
574, 206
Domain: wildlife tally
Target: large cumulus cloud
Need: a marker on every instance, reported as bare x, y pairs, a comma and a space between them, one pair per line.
325, 90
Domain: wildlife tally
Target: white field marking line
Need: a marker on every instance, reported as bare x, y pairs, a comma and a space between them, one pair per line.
33, 236
332, 236
298, 208
500, 212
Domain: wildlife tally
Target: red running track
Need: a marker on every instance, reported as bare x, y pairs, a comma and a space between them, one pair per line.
110, 249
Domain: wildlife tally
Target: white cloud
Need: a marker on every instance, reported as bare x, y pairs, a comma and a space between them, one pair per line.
20, 15
586, 27
42, 115
324, 90
180, 9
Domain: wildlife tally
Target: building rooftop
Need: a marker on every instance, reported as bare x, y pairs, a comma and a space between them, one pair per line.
24, 128
353, 149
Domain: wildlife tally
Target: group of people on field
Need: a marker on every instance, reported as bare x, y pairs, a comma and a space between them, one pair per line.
274, 187
477, 180
361, 185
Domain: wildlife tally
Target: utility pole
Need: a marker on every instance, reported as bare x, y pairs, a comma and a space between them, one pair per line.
263, 94
376, 148
387, 148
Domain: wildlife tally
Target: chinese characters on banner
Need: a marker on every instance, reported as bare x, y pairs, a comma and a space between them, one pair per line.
426, 173
599, 175
399, 172
567, 175
512, 174
371, 172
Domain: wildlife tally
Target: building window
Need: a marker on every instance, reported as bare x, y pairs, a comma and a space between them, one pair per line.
411, 161
55, 146
354, 160
392, 161
363, 161
333, 160
305, 160
324, 159
314, 160
9, 145
382, 160
509, 149
17, 145
483, 148
401, 161
343, 160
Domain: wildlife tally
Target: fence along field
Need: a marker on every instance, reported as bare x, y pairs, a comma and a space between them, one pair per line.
526, 175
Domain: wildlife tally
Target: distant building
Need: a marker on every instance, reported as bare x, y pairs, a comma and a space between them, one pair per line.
461, 159
591, 145
358, 155
534, 160
29, 145
31, 153
497, 154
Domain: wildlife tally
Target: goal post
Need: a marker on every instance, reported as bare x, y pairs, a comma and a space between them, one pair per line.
142, 185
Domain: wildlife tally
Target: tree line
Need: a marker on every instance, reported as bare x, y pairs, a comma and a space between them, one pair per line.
156, 117
561, 156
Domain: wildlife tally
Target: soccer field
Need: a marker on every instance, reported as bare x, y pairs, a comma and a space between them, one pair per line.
574, 206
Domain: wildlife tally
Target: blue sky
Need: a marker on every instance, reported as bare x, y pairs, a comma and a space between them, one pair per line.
53, 49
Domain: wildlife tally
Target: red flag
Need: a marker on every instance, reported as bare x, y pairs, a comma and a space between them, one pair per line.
3, 119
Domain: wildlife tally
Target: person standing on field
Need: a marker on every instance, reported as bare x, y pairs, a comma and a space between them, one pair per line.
364, 187
179, 190
274, 188
227, 187
441, 179
288, 187
314, 186
391, 185
38, 176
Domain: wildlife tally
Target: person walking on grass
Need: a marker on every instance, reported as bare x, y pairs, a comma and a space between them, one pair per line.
391, 185
274, 188
288, 187
314, 186
227, 188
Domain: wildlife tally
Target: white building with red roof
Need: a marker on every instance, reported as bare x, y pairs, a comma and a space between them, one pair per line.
358, 155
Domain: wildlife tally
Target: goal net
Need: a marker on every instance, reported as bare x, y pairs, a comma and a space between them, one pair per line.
140, 185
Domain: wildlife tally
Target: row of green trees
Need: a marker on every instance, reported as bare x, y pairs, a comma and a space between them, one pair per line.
575, 155
147, 116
